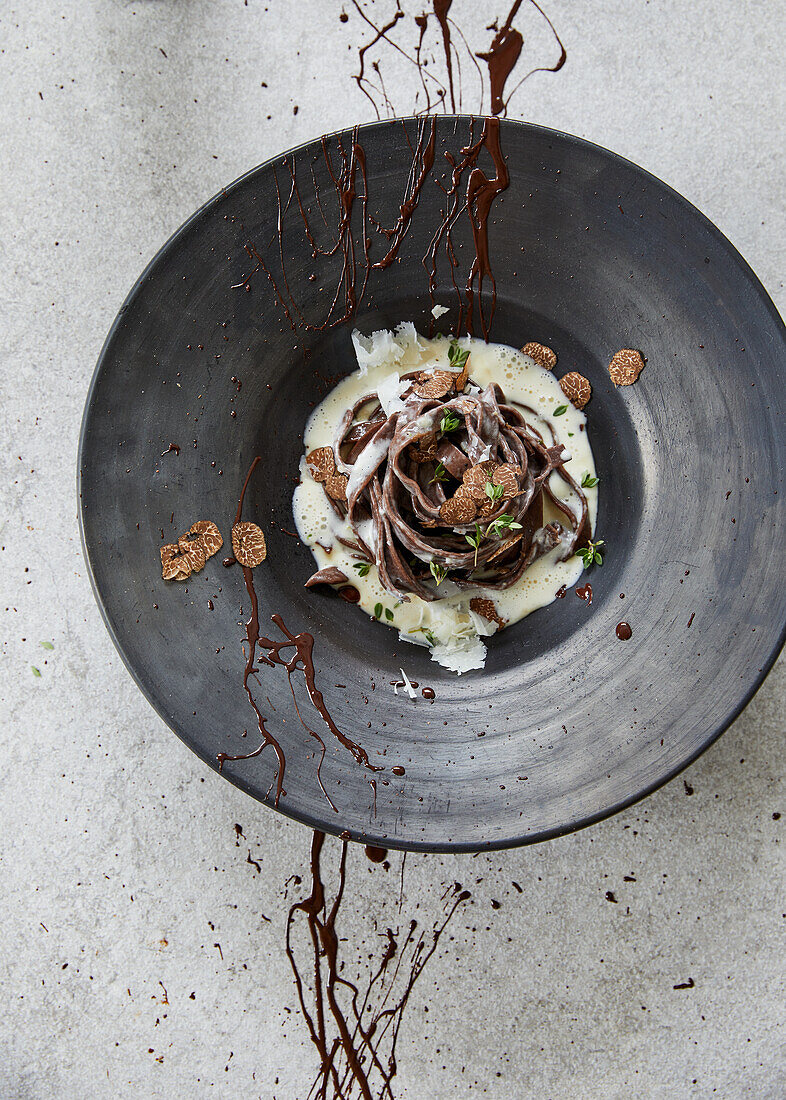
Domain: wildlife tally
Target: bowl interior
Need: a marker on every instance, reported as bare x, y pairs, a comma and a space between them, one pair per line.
566, 723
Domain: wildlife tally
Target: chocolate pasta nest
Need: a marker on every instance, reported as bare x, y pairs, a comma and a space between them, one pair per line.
440, 479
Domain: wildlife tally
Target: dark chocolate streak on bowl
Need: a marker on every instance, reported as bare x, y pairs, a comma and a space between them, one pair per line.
471, 192
302, 660
704, 416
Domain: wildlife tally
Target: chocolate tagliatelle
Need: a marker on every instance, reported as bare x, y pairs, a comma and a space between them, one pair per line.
448, 481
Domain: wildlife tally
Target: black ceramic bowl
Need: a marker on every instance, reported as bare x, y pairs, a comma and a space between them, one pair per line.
566, 724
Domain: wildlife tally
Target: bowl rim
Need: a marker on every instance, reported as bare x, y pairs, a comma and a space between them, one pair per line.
324, 824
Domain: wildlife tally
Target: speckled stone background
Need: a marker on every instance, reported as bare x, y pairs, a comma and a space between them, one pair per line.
123, 872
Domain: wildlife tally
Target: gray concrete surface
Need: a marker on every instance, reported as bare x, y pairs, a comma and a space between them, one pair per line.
120, 869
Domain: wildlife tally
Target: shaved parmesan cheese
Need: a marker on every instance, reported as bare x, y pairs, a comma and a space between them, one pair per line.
408, 685
374, 350
460, 654
407, 336
484, 627
389, 392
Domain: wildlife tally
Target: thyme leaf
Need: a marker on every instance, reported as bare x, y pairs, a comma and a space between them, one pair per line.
450, 422
457, 356
438, 572
440, 474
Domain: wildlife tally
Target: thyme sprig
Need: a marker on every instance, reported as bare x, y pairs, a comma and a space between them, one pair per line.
504, 522
591, 554
495, 528
475, 540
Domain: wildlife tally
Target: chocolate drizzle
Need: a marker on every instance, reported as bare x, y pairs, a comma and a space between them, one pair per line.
585, 593
356, 1033
300, 660
501, 59
423, 162
344, 179
503, 55
481, 193
343, 168
439, 64
476, 198
252, 637
441, 9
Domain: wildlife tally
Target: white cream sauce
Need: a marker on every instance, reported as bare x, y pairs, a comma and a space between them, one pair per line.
456, 631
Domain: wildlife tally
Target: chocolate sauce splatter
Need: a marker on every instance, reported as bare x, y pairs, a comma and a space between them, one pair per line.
501, 59
441, 9
343, 183
443, 63
585, 593
475, 198
481, 193
503, 55
376, 855
252, 637
690, 984
300, 659
422, 163
355, 1031
624, 632
173, 447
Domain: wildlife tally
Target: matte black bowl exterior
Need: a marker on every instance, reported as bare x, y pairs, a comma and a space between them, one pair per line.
566, 724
